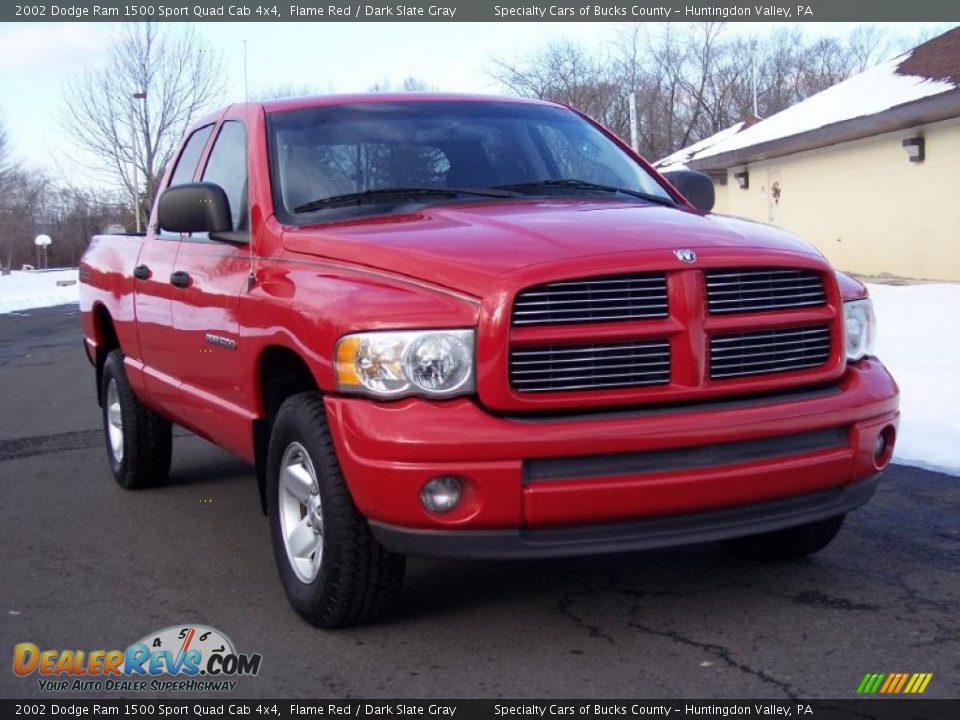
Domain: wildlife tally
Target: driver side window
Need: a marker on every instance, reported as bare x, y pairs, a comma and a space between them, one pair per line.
190, 156
227, 167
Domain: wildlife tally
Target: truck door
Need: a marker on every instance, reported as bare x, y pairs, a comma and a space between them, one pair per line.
154, 293
205, 309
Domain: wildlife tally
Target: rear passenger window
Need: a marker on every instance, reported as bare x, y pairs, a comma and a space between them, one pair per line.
227, 167
190, 157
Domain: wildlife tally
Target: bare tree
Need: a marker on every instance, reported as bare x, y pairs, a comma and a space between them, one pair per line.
8, 201
175, 76
288, 90
72, 215
6, 160
21, 211
869, 44
690, 80
408, 84
33, 203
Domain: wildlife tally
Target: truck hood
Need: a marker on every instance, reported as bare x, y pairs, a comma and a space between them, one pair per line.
465, 246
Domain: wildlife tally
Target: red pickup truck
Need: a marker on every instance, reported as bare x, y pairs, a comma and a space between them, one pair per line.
478, 327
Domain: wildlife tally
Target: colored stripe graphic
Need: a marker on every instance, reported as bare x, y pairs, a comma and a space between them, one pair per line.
918, 683
894, 683
891, 679
870, 683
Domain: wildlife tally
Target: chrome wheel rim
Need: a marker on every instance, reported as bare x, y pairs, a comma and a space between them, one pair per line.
301, 513
114, 422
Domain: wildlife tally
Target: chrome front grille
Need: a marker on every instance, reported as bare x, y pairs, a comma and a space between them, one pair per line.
756, 290
594, 300
554, 368
763, 352
743, 319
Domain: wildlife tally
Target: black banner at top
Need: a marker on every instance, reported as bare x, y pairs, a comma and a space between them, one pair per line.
481, 11
581, 709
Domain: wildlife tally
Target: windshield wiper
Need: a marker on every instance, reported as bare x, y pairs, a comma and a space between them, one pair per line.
399, 193
575, 184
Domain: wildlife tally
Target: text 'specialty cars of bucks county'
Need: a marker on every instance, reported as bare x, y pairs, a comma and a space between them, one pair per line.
477, 327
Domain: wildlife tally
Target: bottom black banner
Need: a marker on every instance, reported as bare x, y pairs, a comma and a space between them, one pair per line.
914, 709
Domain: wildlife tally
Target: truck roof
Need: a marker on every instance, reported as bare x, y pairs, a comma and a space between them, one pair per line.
295, 103
377, 97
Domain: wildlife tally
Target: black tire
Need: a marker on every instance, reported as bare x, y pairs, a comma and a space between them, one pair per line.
789, 544
147, 438
357, 579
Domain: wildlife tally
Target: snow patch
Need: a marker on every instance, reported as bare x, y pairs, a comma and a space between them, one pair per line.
679, 159
917, 340
28, 290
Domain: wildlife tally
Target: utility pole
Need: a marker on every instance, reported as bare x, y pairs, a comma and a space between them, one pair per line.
634, 139
135, 149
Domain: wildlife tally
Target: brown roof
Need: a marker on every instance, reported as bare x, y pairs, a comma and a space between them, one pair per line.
937, 59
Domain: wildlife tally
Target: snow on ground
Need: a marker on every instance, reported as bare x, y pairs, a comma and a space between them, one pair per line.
918, 340
26, 290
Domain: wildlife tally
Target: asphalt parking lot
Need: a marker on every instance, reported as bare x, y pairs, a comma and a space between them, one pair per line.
88, 565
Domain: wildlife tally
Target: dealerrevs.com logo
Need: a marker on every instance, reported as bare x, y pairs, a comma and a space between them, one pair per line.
182, 658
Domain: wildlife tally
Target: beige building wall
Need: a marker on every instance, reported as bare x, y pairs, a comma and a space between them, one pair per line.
722, 202
867, 208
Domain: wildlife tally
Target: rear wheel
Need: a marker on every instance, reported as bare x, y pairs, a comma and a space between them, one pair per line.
789, 544
333, 571
139, 441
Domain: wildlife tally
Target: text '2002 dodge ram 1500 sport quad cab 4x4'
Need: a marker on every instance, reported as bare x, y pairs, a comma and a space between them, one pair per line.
479, 328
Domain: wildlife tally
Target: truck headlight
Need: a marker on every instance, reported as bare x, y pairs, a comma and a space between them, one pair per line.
435, 363
859, 328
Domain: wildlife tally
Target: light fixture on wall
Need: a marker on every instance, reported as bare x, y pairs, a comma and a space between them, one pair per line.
915, 148
743, 179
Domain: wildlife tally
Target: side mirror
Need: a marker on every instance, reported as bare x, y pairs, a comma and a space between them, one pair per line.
195, 207
695, 187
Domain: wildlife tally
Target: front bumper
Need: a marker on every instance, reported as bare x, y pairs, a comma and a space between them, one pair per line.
633, 474
647, 534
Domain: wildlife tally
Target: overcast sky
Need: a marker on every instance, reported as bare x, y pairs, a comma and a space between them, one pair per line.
38, 59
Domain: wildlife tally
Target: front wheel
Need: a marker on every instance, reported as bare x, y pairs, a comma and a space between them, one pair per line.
139, 441
788, 544
334, 572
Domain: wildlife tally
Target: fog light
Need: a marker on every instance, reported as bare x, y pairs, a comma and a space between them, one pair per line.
880, 447
441, 494
883, 447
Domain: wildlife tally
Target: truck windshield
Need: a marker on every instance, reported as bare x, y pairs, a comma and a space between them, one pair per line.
363, 157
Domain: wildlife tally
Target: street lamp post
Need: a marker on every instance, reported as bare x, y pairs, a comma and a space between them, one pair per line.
135, 151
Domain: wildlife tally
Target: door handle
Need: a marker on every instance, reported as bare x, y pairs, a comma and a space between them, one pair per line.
180, 279
142, 272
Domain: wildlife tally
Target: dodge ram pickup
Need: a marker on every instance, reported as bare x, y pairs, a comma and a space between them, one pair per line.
476, 327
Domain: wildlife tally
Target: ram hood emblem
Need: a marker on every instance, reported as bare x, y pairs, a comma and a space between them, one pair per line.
687, 256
